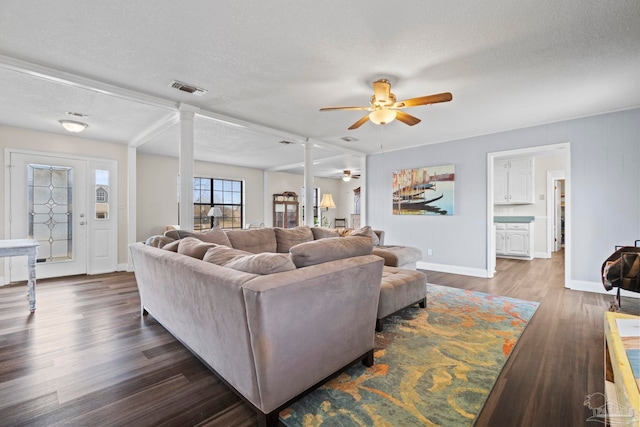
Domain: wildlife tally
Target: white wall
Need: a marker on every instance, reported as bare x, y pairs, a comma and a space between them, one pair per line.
157, 191
605, 177
25, 139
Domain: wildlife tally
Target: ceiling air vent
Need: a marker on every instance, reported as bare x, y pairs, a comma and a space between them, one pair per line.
349, 139
187, 88
286, 142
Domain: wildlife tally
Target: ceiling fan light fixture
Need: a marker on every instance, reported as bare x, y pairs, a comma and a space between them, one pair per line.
73, 126
346, 178
382, 116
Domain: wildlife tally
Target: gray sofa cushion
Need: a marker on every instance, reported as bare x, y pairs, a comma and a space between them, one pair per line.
178, 234
158, 241
323, 233
193, 247
254, 241
286, 238
214, 235
330, 249
220, 255
264, 263
172, 246
367, 231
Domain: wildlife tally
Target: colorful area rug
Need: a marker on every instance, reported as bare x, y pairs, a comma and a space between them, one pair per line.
433, 367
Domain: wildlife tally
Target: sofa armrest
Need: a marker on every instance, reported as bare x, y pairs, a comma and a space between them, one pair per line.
380, 234
309, 323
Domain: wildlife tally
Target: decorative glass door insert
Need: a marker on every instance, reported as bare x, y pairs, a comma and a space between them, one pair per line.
50, 211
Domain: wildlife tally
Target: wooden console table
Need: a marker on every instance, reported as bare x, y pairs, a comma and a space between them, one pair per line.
29, 247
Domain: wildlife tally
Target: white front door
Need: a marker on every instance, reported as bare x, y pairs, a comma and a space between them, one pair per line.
48, 202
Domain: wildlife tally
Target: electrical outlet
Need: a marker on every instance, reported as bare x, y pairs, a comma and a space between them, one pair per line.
429, 251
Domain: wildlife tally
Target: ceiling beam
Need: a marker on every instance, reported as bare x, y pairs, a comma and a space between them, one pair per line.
81, 82
158, 128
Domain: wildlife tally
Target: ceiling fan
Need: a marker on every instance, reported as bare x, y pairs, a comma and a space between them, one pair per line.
384, 108
347, 175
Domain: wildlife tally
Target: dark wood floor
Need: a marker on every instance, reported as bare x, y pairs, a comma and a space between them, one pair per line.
87, 357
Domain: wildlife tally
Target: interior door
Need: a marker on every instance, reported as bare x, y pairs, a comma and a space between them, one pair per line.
48, 203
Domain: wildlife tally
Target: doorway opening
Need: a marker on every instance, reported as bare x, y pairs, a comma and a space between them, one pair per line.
551, 218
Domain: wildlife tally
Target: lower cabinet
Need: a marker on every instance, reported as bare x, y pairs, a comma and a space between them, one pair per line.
514, 240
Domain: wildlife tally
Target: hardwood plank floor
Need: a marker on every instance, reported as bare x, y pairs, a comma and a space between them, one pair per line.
87, 357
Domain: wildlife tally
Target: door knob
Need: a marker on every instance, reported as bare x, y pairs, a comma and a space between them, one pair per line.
82, 223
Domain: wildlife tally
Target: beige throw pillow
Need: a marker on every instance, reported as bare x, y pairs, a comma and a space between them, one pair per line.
194, 247
286, 238
178, 234
158, 241
172, 246
264, 263
214, 235
367, 231
220, 255
330, 249
323, 233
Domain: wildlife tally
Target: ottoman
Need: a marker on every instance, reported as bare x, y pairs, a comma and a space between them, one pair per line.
400, 288
399, 256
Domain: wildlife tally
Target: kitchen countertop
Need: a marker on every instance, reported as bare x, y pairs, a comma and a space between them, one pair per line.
523, 219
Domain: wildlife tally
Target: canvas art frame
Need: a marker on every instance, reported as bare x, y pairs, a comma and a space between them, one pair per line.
424, 191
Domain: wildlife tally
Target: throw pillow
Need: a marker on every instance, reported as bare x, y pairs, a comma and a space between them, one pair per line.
178, 234
286, 238
172, 246
158, 241
367, 231
214, 235
193, 247
255, 241
323, 233
330, 249
222, 254
264, 263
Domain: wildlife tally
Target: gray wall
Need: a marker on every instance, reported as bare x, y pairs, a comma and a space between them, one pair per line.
605, 186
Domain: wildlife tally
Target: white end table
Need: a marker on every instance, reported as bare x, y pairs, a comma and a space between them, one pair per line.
29, 247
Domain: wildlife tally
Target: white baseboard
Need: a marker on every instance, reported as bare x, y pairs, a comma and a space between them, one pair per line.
125, 267
453, 269
597, 287
542, 255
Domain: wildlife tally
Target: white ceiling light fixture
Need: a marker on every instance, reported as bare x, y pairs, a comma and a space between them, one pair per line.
73, 126
346, 178
382, 116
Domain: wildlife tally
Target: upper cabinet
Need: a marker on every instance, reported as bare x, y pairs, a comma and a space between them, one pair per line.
513, 181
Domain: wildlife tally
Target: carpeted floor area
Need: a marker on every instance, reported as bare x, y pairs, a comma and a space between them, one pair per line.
433, 367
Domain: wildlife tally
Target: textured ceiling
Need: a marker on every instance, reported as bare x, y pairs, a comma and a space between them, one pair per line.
269, 66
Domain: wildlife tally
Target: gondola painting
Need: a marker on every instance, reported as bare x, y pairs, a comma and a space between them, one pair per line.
424, 191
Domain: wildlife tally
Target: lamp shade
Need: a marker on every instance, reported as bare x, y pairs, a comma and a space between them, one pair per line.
382, 116
327, 201
72, 126
215, 211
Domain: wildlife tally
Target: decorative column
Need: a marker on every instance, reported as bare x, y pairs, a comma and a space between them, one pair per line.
187, 114
308, 184
363, 191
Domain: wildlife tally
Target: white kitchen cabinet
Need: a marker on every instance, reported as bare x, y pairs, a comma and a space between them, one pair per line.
514, 240
513, 181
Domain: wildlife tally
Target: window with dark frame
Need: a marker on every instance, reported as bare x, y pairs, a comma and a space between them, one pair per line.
221, 193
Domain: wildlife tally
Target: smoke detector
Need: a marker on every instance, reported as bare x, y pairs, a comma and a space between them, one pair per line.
193, 90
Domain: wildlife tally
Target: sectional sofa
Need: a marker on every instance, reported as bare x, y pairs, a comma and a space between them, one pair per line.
271, 312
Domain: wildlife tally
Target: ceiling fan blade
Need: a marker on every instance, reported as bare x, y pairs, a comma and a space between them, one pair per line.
424, 100
407, 119
345, 108
359, 123
381, 91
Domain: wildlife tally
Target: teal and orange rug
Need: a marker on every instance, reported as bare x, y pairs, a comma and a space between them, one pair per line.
433, 367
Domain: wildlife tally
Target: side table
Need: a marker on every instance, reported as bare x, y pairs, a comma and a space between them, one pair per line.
29, 247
